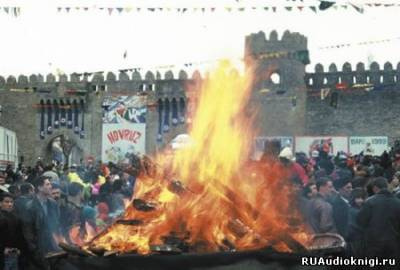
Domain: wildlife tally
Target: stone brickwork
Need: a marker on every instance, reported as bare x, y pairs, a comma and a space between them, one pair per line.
289, 106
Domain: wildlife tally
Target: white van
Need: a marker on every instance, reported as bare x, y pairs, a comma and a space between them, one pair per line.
8, 149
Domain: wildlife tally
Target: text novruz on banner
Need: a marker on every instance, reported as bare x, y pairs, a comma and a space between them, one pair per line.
373, 146
124, 128
330, 144
260, 144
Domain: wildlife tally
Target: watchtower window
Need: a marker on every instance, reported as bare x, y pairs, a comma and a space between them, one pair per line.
275, 78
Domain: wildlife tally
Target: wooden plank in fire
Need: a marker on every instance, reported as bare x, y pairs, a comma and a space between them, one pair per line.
132, 222
75, 250
292, 243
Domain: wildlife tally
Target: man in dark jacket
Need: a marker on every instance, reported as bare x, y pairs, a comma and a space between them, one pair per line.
341, 205
42, 225
27, 194
13, 248
380, 219
321, 218
71, 210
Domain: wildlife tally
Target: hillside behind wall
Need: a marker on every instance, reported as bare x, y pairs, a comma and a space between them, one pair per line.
359, 112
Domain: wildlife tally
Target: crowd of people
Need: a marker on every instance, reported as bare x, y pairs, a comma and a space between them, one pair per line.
356, 197
43, 205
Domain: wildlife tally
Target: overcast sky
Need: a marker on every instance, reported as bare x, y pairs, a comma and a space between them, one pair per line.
42, 39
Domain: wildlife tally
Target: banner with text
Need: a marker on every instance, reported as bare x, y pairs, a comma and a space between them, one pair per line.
375, 145
330, 144
260, 142
124, 128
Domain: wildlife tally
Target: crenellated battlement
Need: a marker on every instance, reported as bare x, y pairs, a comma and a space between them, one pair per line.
50, 80
388, 77
257, 43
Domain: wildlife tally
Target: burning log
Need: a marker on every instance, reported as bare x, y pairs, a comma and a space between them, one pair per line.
292, 243
110, 253
56, 255
131, 222
227, 245
144, 206
75, 250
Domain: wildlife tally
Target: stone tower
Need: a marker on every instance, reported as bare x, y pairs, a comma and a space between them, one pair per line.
279, 93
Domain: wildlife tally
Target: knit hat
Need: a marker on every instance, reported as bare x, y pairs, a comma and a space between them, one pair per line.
287, 154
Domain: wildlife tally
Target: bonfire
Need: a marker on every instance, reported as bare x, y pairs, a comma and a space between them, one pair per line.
207, 196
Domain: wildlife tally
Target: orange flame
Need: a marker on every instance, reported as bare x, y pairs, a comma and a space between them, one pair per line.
221, 201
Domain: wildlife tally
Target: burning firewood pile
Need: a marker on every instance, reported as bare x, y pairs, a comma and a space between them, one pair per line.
207, 204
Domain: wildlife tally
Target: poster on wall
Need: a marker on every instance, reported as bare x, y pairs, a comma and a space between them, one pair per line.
124, 128
330, 144
259, 144
374, 145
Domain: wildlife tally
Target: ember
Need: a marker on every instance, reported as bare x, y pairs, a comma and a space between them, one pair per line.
219, 202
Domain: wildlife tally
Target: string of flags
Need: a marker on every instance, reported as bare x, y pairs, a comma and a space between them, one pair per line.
12, 11
359, 43
318, 7
301, 55
323, 5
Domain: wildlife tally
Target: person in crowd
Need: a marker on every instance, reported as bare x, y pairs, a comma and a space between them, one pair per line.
3, 184
129, 184
21, 203
13, 247
117, 197
103, 217
42, 224
55, 192
51, 172
74, 177
321, 216
341, 204
71, 211
359, 182
89, 220
379, 219
295, 171
355, 233
394, 184
324, 162
14, 190
308, 193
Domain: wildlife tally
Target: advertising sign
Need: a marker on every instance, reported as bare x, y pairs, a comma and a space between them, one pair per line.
368, 145
330, 144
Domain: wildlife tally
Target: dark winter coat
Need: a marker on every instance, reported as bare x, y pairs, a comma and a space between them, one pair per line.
380, 219
341, 215
321, 216
40, 229
20, 206
11, 236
